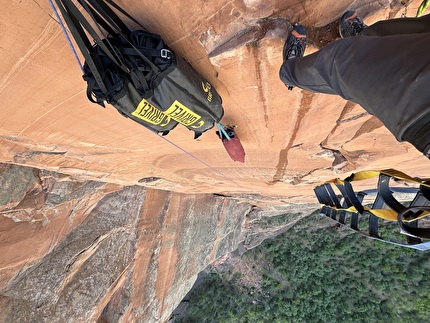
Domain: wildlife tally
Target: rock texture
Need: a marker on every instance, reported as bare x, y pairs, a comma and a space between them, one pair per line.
87, 251
113, 223
47, 122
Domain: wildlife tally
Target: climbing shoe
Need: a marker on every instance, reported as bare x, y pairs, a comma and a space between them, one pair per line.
295, 44
350, 24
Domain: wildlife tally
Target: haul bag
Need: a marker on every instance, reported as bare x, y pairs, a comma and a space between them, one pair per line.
130, 104
138, 74
186, 97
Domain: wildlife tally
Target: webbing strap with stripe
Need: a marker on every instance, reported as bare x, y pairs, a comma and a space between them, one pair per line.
385, 205
103, 17
383, 189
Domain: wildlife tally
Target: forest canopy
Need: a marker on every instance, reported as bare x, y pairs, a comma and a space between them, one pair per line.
318, 272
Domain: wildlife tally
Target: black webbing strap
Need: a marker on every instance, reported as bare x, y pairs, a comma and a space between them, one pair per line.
322, 195
333, 196
146, 52
385, 205
82, 41
387, 195
413, 230
379, 203
425, 190
102, 22
346, 203
110, 16
349, 191
104, 17
79, 18
125, 13
87, 26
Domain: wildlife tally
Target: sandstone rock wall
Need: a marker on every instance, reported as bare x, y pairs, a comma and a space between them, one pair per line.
113, 223
292, 139
76, 251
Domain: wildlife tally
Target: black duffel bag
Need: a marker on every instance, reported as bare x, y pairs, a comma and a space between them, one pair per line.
138, 74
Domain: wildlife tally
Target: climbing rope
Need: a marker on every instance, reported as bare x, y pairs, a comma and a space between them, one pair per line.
63, 28
199, 160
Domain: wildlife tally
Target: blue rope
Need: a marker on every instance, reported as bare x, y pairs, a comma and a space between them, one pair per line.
222, 131
67, 36
196, 158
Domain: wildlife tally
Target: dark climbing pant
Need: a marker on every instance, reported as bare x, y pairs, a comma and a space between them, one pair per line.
386, 69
